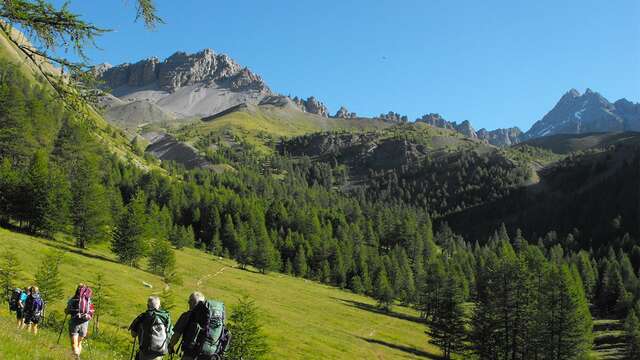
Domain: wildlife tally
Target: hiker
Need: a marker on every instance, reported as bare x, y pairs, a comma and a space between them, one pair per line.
17, 303
207, 315
80, 310
33, 308
153, 330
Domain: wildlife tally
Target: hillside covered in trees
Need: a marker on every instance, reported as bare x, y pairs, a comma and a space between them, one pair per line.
506, 253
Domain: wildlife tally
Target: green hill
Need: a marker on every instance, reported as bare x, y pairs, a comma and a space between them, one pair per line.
263, 125
302, 319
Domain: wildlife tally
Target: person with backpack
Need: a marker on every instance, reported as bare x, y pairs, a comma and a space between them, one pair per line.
16, 303
33, 309
153, 330
202, 329
80, 310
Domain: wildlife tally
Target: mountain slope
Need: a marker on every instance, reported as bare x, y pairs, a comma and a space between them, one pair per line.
264, 124
577, 113
302, 319
585, 190
418, 164
113, 140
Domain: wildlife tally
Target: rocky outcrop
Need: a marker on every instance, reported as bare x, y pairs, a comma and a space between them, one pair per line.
577, 113
312, 106
182, 69
393, 117
344, 113
501, 137
465, 127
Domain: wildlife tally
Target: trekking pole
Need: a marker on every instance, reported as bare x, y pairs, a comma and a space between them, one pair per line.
133, 348
62, 328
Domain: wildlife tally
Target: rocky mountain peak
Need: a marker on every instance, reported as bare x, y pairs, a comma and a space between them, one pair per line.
183, 69
393, 117
577, 113
344, 113
312, 106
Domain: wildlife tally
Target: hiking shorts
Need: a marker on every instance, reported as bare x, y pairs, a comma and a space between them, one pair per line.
31, 319
79, 328
19, 313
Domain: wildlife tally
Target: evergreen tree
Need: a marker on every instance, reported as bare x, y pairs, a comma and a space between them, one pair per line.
383, 290
567, 319
162, 260
249, 342
89, 211
131, 234
632, 336
447, 326
300, 262
264, 256
9, 272
47, 277
229, 235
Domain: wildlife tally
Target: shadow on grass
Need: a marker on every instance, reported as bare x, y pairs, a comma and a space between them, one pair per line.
78, 251
407, 349
377, 310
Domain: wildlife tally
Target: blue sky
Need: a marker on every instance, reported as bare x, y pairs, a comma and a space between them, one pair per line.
495, 63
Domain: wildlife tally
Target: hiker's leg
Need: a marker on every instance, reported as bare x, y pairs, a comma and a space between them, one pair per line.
35, 329
74, 344
80, 338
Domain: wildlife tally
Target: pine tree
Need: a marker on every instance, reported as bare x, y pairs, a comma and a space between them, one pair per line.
567, 321
162, 260
263, 258
9, 272
632, 336
46, 197
300, 262
229, 235
102, 300
47, 277
131, 233
89, 211
383, 290
447, 326
249, 342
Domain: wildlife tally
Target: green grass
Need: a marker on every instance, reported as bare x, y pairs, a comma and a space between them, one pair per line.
256, 125
302, 319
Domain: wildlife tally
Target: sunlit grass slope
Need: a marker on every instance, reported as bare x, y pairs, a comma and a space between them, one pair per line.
302, 319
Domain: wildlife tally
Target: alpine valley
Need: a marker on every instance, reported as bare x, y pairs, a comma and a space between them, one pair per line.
353, 235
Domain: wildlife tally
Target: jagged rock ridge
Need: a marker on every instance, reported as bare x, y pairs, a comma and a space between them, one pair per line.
182, 69
577, 113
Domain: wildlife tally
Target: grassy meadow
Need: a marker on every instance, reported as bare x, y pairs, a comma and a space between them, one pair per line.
302, 319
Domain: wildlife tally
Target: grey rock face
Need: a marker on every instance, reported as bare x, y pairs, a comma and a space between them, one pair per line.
343, 113
465, 127
577, 113
393, 117
501, 137
182, 69
312, 106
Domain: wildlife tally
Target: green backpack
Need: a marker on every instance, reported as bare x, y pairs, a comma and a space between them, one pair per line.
204, 333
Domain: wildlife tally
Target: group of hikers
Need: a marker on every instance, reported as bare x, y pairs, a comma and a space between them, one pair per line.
28, 306
201, 330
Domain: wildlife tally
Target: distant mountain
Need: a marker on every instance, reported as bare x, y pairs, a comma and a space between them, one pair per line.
497, 137
197, 84
590, 112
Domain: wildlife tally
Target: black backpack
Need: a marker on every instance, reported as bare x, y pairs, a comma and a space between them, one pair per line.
206, 335
14, 299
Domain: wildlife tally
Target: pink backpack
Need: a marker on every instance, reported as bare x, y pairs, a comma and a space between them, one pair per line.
85, 306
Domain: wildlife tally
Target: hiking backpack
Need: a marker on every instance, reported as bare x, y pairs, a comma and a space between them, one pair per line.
34, 304
81, 306
155, 332
14, 299
206, 334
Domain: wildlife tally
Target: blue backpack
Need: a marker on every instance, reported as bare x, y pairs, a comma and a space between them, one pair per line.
34, 304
